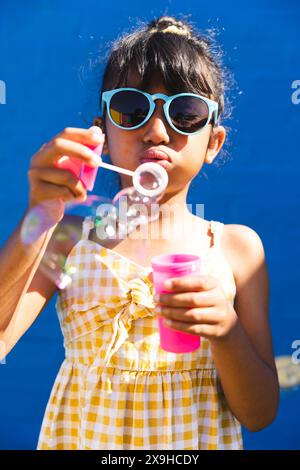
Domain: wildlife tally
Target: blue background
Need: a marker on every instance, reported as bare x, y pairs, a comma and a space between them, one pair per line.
46, 49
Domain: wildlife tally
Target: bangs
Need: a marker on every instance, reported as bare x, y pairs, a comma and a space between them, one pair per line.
161, 58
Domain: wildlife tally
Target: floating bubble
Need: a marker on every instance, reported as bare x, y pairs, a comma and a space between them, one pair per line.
111, 221
40, 219
134, 209
43, 218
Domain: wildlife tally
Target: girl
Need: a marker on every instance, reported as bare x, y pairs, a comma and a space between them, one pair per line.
116, 388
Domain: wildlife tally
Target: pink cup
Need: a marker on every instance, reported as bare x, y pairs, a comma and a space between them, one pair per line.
165, 267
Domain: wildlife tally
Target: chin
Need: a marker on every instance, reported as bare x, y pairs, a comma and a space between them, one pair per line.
126, 182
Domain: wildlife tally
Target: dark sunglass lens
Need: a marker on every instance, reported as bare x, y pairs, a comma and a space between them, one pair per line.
188, 113
128, 108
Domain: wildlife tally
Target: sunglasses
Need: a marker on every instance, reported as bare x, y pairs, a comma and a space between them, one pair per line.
186, 113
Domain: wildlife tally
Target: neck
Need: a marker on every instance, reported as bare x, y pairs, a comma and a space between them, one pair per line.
173, 200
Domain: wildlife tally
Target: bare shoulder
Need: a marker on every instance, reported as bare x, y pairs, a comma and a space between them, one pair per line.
242, 237
244, 250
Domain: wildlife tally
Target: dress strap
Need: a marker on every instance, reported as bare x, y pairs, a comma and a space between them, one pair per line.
216, 229
87, 225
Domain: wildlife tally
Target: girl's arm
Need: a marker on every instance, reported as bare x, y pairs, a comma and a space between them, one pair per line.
245, 359
24, 290
239, 335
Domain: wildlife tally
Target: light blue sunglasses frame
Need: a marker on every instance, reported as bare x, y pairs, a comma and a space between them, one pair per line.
212, 107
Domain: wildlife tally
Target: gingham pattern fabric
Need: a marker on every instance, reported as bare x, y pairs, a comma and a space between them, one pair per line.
116, 388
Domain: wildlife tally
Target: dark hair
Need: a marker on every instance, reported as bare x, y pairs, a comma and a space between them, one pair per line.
172, 49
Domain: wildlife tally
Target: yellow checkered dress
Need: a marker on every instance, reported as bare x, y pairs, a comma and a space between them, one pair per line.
116, 388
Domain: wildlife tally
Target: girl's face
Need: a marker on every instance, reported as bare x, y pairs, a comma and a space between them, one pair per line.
187, 153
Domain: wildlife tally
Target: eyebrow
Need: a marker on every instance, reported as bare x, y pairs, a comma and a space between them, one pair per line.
169, 93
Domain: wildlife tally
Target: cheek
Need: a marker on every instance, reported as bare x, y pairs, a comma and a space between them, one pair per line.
118, 148
190, 164
193, 158
197, 151
119, 145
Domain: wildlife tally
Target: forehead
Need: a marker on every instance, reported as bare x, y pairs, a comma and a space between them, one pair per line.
156, 84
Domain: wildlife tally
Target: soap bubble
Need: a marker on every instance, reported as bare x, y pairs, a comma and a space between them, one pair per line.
40, 219
65, 234
109, 220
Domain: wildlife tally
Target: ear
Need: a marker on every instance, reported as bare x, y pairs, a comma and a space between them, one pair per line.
216, 141
98, 121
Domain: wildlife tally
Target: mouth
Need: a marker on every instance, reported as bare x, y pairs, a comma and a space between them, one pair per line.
156, 156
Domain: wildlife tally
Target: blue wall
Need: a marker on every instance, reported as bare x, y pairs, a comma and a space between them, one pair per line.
45, 51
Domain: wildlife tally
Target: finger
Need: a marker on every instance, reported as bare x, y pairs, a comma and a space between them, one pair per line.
91, 136
207, 331
191, 283
59, 177
187, 299
59, 147
207, 316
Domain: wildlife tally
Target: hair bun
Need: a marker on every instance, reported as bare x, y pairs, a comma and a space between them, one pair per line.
169, 24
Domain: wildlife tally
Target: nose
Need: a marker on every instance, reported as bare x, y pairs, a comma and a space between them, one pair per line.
156, 129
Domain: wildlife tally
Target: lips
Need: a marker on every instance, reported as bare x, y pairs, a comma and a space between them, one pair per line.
160, 157
154, 155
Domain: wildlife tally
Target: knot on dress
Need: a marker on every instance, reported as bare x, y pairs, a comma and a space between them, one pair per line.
134, 301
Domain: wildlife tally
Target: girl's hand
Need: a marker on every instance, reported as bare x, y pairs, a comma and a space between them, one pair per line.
197, 305
47, 182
